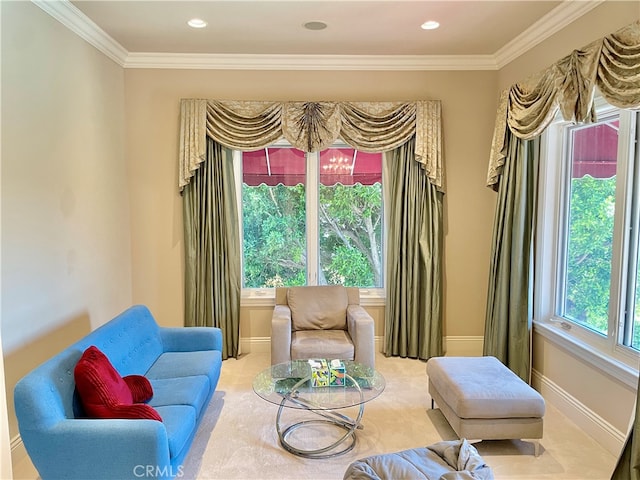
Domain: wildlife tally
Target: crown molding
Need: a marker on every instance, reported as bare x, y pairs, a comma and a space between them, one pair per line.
76, 21
71, 17
310, 62
552, 22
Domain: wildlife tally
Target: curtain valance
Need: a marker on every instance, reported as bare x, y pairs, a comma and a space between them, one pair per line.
612, 64
311, 126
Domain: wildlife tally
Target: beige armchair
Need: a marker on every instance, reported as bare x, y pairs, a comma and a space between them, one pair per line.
321, 322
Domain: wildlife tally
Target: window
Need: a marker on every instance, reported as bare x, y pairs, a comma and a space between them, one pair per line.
311, 218
587, 222
588, 280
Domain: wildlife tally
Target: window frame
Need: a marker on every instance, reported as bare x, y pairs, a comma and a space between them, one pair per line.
369, 296
604, 353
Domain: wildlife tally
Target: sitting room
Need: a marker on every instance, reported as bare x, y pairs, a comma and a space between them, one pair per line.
309, 180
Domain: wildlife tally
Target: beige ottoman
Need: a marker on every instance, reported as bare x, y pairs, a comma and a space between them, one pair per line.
483, 400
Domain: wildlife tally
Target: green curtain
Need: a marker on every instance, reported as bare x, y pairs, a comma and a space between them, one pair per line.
212, 245
413, 314
509, 309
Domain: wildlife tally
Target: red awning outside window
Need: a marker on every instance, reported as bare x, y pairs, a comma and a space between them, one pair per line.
595, 151
273, 166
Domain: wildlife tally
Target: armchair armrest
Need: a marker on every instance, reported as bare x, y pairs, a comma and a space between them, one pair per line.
361, 329
280, 334
101, 449
191, 339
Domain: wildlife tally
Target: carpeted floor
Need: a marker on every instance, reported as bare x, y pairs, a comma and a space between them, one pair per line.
238, 441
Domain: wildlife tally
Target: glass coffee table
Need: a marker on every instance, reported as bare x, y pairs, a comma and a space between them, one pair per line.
288, 385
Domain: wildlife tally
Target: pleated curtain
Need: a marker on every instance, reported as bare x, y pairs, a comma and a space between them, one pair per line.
508, 318
212, 248
413, 310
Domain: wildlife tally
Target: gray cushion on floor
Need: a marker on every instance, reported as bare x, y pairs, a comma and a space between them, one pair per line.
451, 460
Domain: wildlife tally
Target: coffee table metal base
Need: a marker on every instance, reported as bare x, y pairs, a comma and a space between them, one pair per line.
329, 417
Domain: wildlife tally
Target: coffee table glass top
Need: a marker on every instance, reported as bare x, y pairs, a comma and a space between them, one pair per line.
294, 379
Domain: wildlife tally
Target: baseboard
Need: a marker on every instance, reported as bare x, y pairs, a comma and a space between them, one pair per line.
21, 463
255, 345
467, 346
586, 419
17, 447
454, 346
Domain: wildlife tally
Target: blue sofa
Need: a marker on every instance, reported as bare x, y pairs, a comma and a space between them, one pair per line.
183, 366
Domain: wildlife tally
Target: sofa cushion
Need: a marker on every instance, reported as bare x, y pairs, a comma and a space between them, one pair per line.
318, 308
103, 392
141, 389
187, 364
180, 423
192, 391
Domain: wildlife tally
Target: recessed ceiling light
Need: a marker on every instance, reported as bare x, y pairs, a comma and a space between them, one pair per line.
315, 25
430, 25
197, 23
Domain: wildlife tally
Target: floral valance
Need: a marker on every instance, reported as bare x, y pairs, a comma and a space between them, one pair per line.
612, 64
311, 126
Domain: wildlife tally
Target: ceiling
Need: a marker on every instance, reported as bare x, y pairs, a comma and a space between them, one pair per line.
363, 28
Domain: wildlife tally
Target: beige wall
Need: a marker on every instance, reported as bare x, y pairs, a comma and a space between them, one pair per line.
152, 102
66, 255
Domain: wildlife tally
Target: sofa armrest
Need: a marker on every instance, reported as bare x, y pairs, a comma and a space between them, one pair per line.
101, 449
361, 329
280, 335
191, 339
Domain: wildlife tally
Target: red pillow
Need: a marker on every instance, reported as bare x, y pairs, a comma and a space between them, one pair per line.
141, 389
103, 392
133, 411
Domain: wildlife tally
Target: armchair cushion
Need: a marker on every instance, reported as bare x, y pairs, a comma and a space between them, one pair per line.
318, 308
321, 344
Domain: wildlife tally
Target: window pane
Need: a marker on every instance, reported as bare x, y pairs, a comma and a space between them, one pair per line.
350, 218
631, 328
273, 218
589, 236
